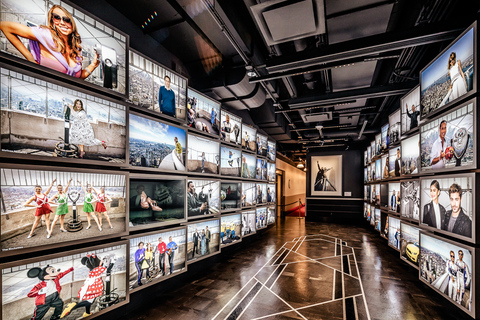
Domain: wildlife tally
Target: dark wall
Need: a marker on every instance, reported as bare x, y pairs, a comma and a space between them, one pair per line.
340, 208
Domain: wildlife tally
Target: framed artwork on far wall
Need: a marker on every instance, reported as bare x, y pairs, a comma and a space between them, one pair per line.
326, 178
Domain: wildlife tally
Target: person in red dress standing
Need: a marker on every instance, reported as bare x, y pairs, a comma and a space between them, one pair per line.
43, 207
100, 206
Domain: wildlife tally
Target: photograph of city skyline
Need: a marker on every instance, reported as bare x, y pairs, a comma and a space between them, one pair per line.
152, 144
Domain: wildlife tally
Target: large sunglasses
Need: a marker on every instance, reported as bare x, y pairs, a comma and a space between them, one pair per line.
64, 18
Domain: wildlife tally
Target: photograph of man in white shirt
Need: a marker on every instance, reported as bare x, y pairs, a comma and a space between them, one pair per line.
437, 154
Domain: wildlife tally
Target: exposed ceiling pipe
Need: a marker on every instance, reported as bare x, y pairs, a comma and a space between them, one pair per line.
341, 134
348, 95
411, 56
326, 146
301, 45
361, 47
363, 128
323, 67
223, 27
287, 81
319, 128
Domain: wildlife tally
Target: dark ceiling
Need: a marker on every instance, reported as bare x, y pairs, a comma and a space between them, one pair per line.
330, 63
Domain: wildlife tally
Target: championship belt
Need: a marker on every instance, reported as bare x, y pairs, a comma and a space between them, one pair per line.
459, 142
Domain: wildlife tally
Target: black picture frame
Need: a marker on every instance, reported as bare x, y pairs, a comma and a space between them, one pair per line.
191, 226
147, 215
151, 68
471, 87
31, 175
462, 111
211, 183
213, 127
228, 237
101, 26
410, 252
423, 275
196, 147
445, 181
75, 255
154, 271
167, 169
58, 153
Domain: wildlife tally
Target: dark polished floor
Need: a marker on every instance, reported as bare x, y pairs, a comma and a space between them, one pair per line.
299, 270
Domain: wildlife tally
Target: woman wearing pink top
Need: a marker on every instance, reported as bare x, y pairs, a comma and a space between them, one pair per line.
56, 46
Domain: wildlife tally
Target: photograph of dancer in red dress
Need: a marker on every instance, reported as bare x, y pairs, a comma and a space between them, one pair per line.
43, 207
100, 208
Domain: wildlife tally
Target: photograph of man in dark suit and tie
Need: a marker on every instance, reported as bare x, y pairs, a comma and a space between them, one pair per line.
398, 164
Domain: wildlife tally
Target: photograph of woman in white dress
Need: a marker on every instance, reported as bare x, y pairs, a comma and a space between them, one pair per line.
458, 85
81, 131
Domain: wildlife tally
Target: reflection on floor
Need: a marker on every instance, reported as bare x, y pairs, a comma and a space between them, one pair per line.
321, 270
299, 270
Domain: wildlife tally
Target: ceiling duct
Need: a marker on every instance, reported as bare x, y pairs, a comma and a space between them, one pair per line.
301, 45
282, 20
237, 93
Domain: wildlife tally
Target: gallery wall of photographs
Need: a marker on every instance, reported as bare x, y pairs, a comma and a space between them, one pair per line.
116, 149
420, 175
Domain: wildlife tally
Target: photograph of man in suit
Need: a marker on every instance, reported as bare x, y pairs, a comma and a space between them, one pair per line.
398, 164
456, 220
208, 236
393, 202
374, 195
434, 212
413, 117
203, 198
259, 194
195, 206
195, 242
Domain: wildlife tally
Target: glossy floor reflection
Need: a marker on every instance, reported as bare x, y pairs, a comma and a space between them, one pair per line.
306, 271
309, 276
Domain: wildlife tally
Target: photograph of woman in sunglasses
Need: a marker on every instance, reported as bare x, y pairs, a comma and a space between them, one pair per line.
57, 45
